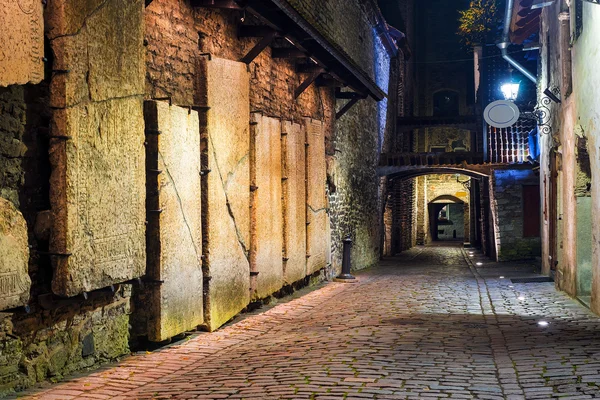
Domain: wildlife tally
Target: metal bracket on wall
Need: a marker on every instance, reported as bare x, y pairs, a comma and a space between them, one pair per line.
542, 112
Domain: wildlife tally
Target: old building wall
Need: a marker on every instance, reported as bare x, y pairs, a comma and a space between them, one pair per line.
509, 203
107, 58
54, 335
569, 148
586, 83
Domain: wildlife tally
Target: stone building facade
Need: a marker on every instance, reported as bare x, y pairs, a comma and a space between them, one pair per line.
159, 174
569, 147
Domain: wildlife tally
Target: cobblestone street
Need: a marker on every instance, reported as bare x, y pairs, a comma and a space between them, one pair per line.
425, 324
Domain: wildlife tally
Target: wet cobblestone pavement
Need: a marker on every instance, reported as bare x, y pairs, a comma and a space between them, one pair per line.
426, 324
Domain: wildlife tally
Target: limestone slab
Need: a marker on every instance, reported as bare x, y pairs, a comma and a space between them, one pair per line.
21, 42
101, 45
294, 201
174, 235
224, 88
317, 231
266, 211
14, 257
97, 194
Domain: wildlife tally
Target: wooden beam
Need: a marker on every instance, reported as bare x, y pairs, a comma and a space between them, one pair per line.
328, 81
307, 68
346, 95
227, 4
307, 82
259, 47
288, 53
347, 107
246, 31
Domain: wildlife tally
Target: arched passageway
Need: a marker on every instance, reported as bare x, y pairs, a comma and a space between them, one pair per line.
448, 218
429, 204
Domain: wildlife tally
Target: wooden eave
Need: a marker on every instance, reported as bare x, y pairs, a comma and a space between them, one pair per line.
525, 21
282, 17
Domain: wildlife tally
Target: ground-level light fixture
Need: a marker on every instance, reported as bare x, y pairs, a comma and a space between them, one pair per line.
479, 264
543, 324
521, 298
501, 277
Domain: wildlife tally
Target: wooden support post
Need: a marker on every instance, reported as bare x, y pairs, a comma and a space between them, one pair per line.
259, 47
347, 107
307, 82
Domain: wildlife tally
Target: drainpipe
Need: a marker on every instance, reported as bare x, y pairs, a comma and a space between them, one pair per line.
503, 45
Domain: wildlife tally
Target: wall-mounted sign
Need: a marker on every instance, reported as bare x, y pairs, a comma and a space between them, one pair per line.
501, 114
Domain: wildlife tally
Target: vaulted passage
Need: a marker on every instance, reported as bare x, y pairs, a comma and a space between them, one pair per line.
428, 322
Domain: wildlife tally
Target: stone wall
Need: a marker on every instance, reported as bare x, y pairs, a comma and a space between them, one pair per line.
508, 203
84, 308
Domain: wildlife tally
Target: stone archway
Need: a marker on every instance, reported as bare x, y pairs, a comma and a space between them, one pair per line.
448, 217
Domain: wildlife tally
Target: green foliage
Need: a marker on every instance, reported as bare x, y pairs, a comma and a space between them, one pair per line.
476, 22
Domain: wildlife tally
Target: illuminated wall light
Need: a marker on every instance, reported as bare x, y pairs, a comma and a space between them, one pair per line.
510, 90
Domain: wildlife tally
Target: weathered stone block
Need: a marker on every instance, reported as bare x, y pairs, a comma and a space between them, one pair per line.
266, 206
317, 231
174, 236
22, 39
224, 88
97, 193
101, 45
294, 201
14, 257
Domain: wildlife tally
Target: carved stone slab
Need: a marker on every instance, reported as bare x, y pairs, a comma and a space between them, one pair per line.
14, 257
266, 210
316, 205
174, 231
21, 42
294, 201
226, 188
97, 186
101, 45
97, 195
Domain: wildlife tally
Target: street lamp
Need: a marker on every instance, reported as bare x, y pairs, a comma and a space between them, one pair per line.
510, 90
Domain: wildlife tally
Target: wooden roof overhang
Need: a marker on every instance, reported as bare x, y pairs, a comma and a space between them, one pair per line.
280, 19
525, 19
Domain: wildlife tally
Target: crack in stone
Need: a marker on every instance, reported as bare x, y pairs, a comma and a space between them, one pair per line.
179, 201
227, 203
85, 20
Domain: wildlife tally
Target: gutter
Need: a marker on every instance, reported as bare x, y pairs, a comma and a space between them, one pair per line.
503, 45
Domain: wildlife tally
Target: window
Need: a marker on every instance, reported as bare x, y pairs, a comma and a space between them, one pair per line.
531, 211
